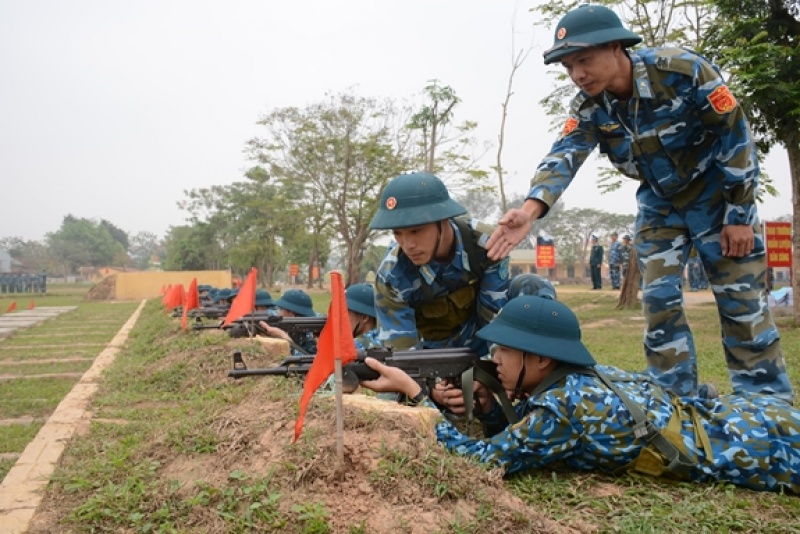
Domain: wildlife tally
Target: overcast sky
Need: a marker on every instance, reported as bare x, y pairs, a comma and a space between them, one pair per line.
112, 109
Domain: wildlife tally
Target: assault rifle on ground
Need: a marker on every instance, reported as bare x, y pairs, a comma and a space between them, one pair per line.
460, 366
210, 312
247, 326
424, 366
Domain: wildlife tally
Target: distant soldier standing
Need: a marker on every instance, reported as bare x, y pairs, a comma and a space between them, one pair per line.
625, 254
596, 262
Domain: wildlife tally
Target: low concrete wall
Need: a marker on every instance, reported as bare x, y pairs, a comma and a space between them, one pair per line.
144, 285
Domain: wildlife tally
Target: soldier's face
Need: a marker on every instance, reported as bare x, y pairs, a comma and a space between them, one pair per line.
509, 364
594, 69
418, 242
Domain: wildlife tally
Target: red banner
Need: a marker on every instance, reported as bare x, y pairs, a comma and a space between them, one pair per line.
779, 243
545, 253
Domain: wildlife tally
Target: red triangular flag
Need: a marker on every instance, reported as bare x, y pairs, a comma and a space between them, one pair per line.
245, 301
167, 295
191, 302
174, 297
335, 343
32, 305
12, 307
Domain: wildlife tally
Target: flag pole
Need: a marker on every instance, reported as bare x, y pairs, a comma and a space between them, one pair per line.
337, 381
337, 369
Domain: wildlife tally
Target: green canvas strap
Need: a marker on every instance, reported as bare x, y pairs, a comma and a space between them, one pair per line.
677, 462
487, 378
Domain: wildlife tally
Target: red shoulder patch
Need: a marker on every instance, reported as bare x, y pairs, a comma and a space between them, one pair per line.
722, 100
570, 125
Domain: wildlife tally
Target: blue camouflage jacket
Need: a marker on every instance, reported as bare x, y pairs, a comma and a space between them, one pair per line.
398, 289
752, 440
681, 124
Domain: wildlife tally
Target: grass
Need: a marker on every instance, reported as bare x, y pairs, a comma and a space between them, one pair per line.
163, 401
59, 350
14, 438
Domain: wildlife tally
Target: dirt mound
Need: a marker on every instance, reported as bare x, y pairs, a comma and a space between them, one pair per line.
106, 289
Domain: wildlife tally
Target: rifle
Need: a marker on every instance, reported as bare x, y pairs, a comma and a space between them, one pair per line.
424, 366
211, 312
460, 366
253, 317
297, 327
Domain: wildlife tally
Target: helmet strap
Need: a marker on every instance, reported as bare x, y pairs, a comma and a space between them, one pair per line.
518, 391
438, 240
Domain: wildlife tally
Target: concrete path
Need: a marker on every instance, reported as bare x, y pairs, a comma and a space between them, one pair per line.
21, 490
12, 321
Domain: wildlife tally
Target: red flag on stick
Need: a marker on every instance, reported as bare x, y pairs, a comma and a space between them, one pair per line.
32, 305
335, 343
12, 307
191, 302
167, 293
245, 301
174, 297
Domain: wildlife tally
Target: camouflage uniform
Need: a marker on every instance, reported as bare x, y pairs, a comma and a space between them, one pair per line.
750, 440
368, 340
595, 262
614, 261
683, 135
625, 256
398, 290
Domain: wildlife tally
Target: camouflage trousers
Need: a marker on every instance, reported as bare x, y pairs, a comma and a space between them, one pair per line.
665, 232
614, 275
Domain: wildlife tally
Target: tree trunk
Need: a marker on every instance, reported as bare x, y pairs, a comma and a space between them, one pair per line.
629, 294
793, 150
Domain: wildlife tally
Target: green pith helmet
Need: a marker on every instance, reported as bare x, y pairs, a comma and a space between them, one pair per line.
263, 298
586, 26
413, 200
361, 299
539, 326
531, 284
297, 301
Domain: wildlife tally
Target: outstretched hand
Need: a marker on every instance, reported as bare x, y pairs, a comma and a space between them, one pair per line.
512, 228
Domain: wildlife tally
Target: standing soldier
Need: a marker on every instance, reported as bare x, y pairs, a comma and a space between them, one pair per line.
665, 117
595, 262
625, 253
614, 260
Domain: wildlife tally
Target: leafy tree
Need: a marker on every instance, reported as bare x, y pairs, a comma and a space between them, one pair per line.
332, 160
119, 236
443, 147
82, 242
33, 255
759, 43
187, 248
143, 247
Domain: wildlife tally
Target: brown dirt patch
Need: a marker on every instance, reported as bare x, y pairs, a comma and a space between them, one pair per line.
105, 289
393, 477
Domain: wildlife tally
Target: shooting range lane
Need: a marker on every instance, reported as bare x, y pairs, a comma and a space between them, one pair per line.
9, 322
21, 490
